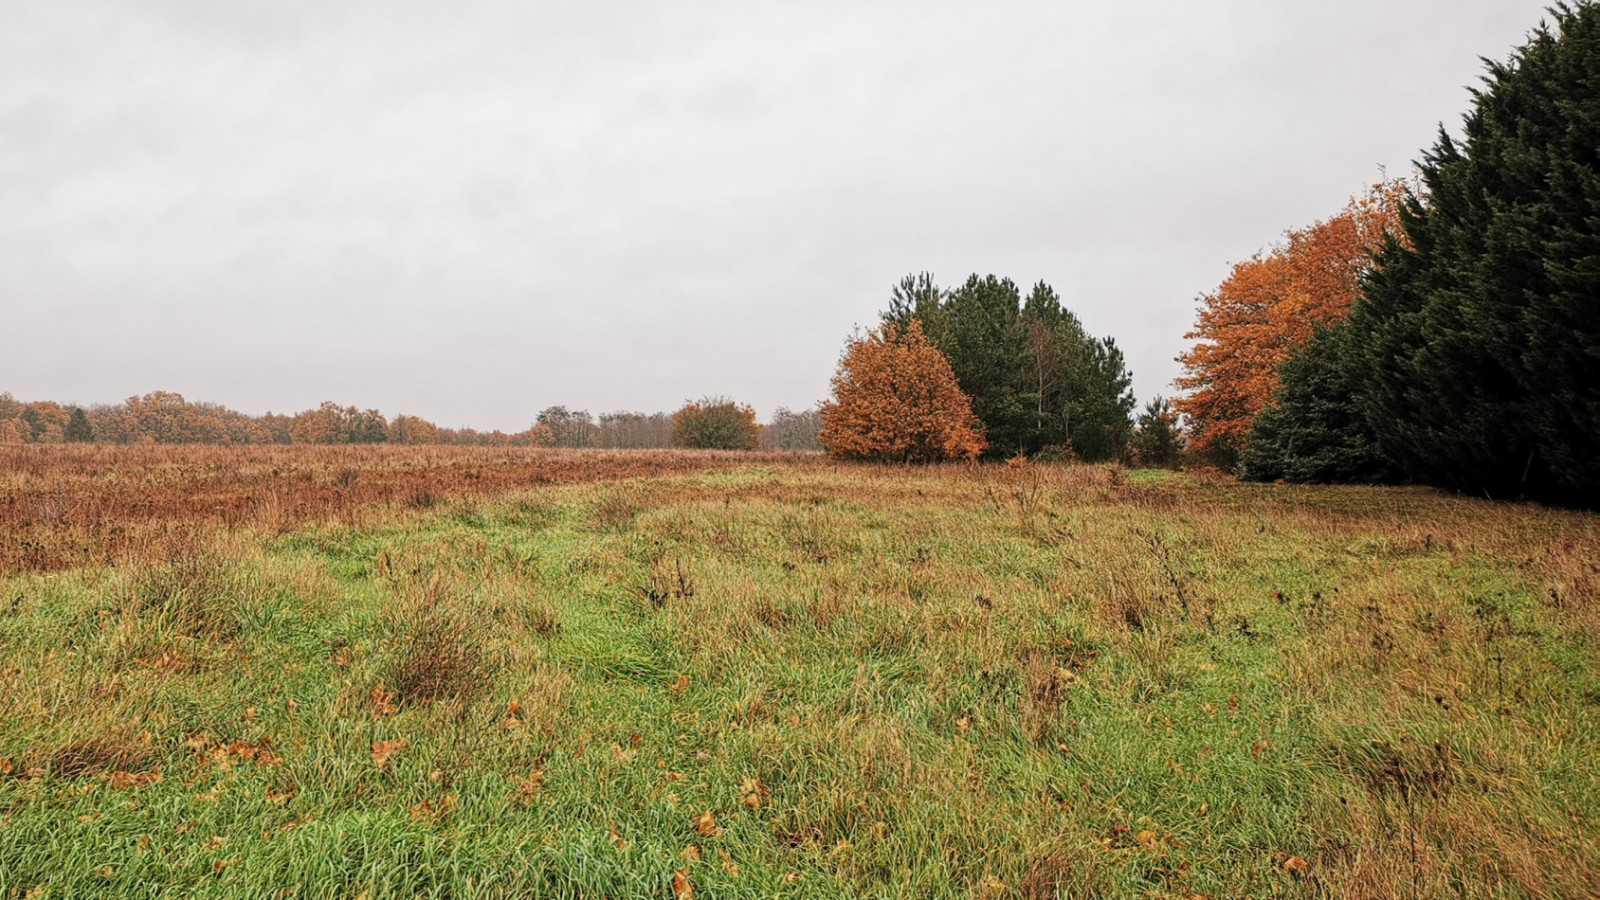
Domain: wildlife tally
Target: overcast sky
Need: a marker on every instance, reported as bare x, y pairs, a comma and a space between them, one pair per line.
470, 211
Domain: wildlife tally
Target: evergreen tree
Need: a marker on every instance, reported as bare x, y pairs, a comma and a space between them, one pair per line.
981, 332
1314, 431
1037, 380
79, 430
1157, 441
1479, 342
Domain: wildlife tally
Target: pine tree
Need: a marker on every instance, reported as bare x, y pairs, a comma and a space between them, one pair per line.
1314, 431
79, 431
1157, 441
1479, 343
1037, 380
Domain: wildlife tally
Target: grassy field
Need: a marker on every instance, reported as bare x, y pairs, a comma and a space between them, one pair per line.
778, 677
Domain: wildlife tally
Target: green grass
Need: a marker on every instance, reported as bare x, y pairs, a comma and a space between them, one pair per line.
879, 682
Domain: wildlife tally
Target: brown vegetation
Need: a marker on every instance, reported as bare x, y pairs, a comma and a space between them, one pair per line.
68, 505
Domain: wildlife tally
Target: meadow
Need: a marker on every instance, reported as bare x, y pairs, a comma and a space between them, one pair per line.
463, 672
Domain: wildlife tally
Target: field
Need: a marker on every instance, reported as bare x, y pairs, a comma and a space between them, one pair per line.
464, 673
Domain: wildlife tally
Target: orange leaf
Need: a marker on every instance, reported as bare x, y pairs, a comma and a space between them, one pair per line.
680, 885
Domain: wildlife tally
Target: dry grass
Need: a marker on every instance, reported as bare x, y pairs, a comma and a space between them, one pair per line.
1032, 681
68, 506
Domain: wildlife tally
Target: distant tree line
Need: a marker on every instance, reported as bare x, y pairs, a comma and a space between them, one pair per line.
167, 418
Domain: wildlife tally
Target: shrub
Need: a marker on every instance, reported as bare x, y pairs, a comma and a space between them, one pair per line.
716, 423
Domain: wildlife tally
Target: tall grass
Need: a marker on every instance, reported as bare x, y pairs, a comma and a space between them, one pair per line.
814, 680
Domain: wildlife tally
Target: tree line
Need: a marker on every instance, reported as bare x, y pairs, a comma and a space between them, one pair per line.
1463, 350
163, 417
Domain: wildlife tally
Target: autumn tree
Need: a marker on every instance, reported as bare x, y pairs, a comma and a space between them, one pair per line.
572, 428
412, 430
633, 430
896, 399
716, 423
1266, 308
331, 423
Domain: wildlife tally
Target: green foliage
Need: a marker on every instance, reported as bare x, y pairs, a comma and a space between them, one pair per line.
1313, 430
1037, 380
934, 683
1157, 440
79, 431
1473, 357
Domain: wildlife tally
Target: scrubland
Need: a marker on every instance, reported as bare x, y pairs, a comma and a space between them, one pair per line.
511, 673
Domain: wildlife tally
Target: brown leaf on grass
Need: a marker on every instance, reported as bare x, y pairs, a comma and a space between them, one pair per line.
383, 702
691, 852
434, 813
528, 787
120, 780
706, 824
680, 885
681, 685
382, 750
754, 792
616, 836
6, 766
1294, 865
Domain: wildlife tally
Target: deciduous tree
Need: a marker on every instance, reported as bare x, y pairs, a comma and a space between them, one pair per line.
895, 398
716, 423
1266, 308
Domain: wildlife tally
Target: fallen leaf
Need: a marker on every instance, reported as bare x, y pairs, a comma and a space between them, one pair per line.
382, 750
706, 824
1295, 864
691, 852
680, 885
383, 702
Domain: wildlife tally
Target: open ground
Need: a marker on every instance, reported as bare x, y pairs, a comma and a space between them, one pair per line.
456, 672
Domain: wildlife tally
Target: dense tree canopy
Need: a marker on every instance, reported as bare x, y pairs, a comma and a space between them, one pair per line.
1472, 360
895, 399
1267, 307
1037, 380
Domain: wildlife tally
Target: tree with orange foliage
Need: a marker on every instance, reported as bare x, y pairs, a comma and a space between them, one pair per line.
716, 423
895, 399
1269, 306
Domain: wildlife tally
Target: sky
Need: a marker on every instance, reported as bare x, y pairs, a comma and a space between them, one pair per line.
470, 211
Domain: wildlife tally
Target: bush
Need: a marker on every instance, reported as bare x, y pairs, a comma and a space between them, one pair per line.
716, 423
